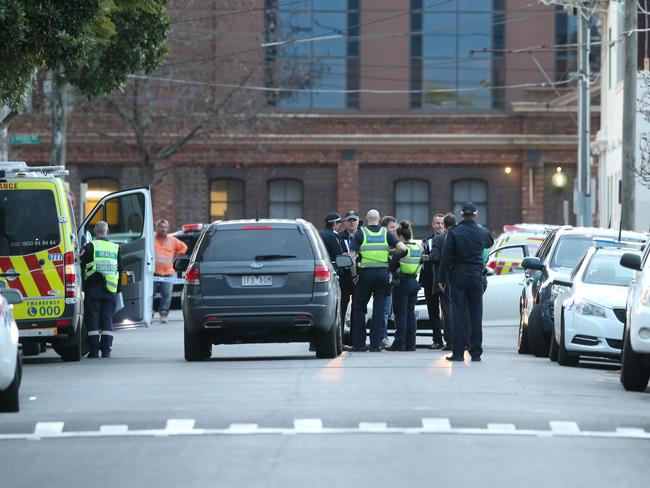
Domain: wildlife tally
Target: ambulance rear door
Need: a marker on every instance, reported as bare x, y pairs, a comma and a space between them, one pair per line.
129, 215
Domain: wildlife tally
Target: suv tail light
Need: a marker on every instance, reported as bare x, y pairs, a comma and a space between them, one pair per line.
321, 273
192, 275
69, 275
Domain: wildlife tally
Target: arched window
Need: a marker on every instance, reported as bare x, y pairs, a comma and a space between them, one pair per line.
93, 190
412, 203
475, 191
285, 199
226, 199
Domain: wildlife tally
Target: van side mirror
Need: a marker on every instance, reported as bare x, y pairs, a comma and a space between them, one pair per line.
631, 261
568, 284
12, 296
533, 263
181, 264
343, 261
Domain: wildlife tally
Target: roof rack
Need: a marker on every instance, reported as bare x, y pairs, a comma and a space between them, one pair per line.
21, 169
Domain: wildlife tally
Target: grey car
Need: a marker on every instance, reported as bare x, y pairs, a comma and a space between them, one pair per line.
260, 281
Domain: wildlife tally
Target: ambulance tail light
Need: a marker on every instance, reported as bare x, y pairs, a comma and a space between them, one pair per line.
492, 264
193, 275
69, 275
321, 273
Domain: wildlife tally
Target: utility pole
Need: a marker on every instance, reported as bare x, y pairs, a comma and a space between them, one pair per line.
59, 110
583, 204
4, 135
628, 180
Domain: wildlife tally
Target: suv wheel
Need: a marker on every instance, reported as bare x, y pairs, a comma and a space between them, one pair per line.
634, 374
327, 343
522, 337
9, 397
564, 357
196, 347
538, 343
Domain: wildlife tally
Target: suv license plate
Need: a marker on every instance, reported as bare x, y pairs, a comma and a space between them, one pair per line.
257, 280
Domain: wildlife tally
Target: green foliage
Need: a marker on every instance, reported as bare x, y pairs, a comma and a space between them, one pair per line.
97, 43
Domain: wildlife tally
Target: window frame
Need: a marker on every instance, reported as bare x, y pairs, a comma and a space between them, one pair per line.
228, 201
483, 216
285, 202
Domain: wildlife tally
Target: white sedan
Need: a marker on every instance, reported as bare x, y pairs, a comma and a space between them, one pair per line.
10, 364
589, 311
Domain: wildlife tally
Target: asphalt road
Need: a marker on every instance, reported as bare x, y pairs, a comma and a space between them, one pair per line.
273, 415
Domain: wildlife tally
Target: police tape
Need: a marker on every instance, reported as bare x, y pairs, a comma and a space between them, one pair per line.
169, 279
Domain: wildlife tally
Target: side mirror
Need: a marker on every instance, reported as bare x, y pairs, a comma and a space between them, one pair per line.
632, 261
343, 262
12, 296
181, 264
568, 284
533, 263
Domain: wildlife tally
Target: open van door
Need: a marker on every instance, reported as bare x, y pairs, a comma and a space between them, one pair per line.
129, 215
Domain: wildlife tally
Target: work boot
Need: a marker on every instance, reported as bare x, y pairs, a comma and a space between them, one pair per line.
163, 318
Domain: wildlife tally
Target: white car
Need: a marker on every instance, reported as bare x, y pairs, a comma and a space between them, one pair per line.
635, 361
589, 311
10, 364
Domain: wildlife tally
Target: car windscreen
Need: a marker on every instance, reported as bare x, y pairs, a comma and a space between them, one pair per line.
29, 222
257, 245
569, 250
606, 269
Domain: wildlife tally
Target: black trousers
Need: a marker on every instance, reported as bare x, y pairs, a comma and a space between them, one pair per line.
99, 307
445, 305
433, 308
372, 282
466, 294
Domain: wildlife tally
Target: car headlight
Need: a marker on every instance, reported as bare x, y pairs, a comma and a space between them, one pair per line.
587, 308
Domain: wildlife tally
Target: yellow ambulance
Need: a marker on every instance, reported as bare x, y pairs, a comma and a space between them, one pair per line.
39, 255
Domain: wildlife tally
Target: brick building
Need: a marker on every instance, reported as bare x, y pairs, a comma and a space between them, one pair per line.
415, 108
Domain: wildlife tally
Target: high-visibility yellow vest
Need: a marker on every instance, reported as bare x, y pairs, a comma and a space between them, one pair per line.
410, 263
374, 248
104, 262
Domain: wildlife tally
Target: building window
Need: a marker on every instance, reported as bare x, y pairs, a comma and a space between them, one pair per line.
450, 68
566, 33
93, 190
475, 191
226, 199
316, 66
285, 199
412, 204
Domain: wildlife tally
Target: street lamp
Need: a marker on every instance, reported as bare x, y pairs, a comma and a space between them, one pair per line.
507, 170
559, 179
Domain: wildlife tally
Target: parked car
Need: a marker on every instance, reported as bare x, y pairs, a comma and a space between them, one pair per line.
635, 360
589, 312
10, 362
189, 234
508, 260
252, 281
555, 259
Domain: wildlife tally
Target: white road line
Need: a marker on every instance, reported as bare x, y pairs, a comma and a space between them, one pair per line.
307, 425
113, 429
436, 425
48, 429
564, 428
430, 426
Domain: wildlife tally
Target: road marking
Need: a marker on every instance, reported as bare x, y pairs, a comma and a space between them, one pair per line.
436, 425
48, 429
564, 428
429, 426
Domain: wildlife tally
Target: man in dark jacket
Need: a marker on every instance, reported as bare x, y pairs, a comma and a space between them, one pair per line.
330, 237
462, 263
428, 280
345, 277
443, 296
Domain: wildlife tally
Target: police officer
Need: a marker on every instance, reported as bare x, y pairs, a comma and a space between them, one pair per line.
462, 260
330, 237
372, 244
101, 264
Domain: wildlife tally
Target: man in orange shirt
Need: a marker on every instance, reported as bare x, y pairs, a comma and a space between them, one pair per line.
167, 248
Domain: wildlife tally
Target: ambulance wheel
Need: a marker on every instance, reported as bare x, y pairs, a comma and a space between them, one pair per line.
31, 348
73, 352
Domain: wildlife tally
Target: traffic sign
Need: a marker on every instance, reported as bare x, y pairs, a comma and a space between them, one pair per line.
25, 139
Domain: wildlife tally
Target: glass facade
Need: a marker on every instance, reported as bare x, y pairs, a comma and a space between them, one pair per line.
449, 70
316, 47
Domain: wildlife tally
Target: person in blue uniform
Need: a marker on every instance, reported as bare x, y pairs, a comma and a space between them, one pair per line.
372, 244
462, 265
330, 237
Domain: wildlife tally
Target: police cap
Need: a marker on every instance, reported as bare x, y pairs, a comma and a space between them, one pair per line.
468, 208
332, 217
351, 215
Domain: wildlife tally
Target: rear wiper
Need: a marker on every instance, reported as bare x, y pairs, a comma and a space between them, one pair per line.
268, 257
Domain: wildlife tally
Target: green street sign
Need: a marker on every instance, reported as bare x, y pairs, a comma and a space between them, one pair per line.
25, 139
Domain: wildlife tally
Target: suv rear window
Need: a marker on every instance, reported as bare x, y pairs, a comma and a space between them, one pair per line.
570, 249
28, 222
252, 245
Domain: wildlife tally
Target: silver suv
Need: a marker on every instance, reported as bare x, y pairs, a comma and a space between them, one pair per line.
260, 281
